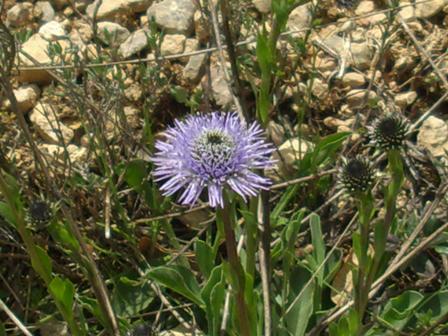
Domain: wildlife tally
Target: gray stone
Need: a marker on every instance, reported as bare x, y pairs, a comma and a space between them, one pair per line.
135, 43
194, 69
433, 135
174, 16
46, 10
113, 33
423, 10
49, 128
111, 8
20, 14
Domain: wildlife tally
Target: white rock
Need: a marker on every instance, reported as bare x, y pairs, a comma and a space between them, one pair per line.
49, 128
263, 6
353, 79
36, 47
27, 97
20, 14
318, 87
52, 31
111, 32
76, 154
290, 151
220, 89
356, 97
194, 69
111, 8
367, 7
422, 10
135, 43
405, 99
46, 10
173, 16
172, 44
300, 18
433, 135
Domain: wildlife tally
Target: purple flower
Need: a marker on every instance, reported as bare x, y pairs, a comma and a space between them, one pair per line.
212, 151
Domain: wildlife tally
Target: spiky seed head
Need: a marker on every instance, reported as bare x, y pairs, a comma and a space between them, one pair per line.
39, 212
389, 132
356, 174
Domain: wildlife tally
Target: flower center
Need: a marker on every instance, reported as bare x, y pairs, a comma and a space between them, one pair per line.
213, 148
388, 128
356, 169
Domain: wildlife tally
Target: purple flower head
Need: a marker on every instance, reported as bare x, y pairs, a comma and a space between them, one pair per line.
212, 151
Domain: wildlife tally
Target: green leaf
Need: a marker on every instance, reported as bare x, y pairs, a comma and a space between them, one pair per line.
298, 317
6, 213
204, 257
2, 329
60, 234
63, 291
136, 172
327, 147
43, 264
130, 297
400, 309
213, 295
180, 94
179, 279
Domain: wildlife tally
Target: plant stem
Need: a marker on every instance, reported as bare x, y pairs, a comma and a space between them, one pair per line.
236, 269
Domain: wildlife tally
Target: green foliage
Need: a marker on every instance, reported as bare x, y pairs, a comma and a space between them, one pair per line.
130, 297
180, 280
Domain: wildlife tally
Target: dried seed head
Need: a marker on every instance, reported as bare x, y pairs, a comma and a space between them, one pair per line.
389, 132
40, 212
356, 174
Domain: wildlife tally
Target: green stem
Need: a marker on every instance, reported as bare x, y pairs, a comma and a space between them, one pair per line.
251, 239
238, 275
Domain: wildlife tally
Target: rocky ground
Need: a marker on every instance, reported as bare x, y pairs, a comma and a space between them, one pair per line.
114, 73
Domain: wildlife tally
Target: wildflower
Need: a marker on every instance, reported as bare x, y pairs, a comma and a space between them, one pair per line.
212, 152
389, 132
356, 174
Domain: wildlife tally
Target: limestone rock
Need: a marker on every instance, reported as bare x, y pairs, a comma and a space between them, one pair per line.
172, 44
299, 18
405, 99
263, 6
52, 31
110, 8
49, 128
195, 67
173, 16
135, 43
201, 27
27, 97
276, 133
356, 97
112, 33
353, 79
45, 9
433, 135
422, 10
288, 153
36, 47
20, 14
220, 89
76, 154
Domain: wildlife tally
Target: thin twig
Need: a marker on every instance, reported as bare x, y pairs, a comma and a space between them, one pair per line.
14, 319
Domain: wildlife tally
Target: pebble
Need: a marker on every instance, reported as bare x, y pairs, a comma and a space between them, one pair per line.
51, 130
433, 135
173, 16
135, 43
